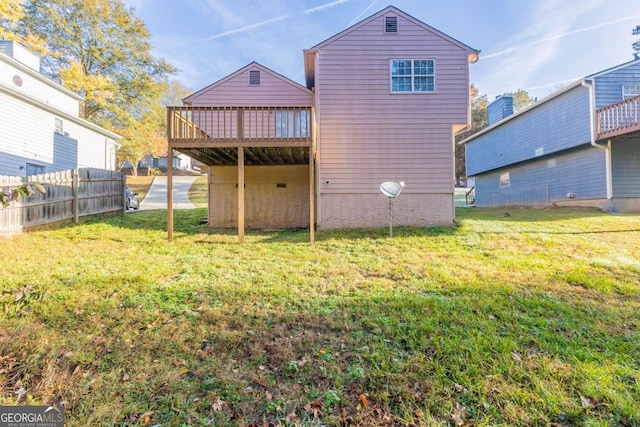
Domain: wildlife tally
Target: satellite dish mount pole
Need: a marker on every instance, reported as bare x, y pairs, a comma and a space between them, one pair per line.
391, 216
391, 190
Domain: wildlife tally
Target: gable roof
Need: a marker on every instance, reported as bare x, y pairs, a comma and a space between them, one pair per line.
251, 65
547, 99
614, 68
309, 64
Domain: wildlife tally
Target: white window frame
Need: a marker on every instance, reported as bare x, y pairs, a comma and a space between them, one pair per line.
413, 75
505, 180
630, 91
59, 126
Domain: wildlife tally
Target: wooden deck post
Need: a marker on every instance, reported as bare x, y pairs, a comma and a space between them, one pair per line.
240, 194
170, 194
312, 195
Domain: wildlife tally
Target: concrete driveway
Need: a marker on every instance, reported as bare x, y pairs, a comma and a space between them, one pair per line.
156, 197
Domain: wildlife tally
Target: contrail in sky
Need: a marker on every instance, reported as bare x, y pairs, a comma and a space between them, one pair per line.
279, 18
325, 6
363, 12
248, 27
559, 36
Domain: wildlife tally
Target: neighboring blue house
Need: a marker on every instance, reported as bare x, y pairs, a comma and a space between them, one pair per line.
580, 146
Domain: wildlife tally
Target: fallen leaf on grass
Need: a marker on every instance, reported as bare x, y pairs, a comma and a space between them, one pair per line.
364, 400
588, 402
217, 405
259, 382
515, 356
460, 388
146, 418
314, 408
459, 415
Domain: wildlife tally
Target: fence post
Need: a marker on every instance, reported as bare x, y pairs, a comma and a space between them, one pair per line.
124, 193
76, 197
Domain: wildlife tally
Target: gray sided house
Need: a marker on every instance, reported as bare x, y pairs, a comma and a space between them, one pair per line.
580, 146
40, 124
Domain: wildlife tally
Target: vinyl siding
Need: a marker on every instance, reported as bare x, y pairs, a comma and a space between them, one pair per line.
548, 180
28, 136
625, 166
367, 134
234, 91
49, 93
559, 124
608, 87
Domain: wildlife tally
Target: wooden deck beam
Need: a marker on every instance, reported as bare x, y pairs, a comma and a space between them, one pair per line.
230, 143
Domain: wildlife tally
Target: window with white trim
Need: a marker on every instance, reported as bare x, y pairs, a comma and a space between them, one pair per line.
412, 75
629, 91
505, 180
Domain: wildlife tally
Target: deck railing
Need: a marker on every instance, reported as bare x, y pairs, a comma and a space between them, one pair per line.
619, 118
239, 124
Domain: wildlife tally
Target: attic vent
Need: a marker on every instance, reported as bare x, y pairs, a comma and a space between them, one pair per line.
390, 24
254, 77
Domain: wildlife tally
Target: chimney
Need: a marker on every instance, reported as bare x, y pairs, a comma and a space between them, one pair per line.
500, 108
20, 53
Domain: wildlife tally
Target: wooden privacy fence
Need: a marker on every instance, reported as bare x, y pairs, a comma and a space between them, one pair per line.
69, 194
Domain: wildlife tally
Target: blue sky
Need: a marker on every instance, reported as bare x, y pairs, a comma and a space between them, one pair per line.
537, 45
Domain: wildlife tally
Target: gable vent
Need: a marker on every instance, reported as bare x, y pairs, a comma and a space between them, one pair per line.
254, 77
390, 24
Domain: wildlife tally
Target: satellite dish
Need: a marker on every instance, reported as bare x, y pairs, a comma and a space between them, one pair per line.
391, 190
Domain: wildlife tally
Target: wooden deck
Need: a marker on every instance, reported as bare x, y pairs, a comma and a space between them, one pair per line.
269, 135
620, 119
242, 136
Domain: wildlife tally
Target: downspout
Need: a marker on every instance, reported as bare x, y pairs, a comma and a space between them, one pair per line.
606, 148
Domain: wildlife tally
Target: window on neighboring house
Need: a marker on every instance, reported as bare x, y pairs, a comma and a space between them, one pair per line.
59, 128
33, 169
412, 75
292, 124
629, 91
390, 24
505, 180
254, 77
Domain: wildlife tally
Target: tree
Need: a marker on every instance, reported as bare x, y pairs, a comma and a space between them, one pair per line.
147, 136
100, 50
11, 14
478, 121
521, 99
143, 137
174, 92
636, 45
19, 192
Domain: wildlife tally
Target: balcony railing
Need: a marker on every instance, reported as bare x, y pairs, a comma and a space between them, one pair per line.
233, 126
620, 118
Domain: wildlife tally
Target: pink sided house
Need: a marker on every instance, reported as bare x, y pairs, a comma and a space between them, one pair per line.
382, 102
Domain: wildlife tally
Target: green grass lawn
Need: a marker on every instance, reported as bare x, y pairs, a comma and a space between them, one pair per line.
520, 320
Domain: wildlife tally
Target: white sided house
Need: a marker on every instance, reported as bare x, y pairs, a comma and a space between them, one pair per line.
382, 102
40, 124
